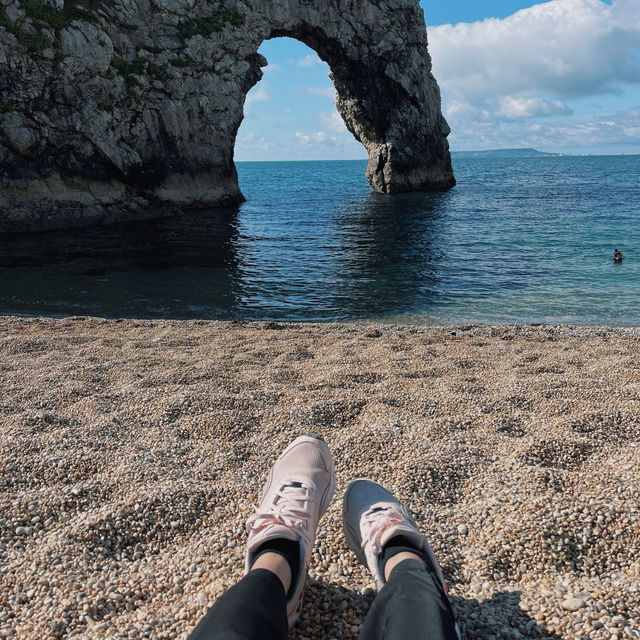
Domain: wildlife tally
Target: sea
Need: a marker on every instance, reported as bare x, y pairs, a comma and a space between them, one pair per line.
518, 240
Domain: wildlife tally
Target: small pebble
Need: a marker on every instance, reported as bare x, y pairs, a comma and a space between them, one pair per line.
573, 604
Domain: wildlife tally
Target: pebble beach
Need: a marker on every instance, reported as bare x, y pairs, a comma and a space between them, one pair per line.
132, 453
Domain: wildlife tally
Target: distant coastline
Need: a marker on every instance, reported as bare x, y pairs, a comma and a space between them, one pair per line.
503, 153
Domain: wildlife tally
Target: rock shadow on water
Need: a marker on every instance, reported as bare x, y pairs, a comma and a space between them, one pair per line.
178, 267
332, 611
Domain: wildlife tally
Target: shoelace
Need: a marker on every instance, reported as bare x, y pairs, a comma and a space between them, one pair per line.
376, 520
291, 507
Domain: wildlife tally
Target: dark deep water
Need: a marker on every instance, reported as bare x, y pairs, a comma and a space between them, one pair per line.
313, 242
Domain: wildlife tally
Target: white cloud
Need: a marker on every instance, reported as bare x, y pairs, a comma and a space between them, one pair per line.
530, 63
272, 68
332, 121
624, 128
529, 105
317, 144
324, 92
259, 93
309, 60
249, 142
617, 131
457, 109
313, 139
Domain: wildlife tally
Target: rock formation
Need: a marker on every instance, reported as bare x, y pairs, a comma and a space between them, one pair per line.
114, 109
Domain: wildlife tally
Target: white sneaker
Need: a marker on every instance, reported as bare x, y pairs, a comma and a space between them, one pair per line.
371, 516
296, 495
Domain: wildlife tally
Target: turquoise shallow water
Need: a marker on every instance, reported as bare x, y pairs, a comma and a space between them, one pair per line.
517, 240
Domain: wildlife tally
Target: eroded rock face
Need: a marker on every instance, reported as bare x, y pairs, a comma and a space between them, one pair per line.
125, 108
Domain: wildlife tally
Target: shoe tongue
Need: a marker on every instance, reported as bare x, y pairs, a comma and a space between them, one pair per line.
291, 487
279, 531
413, 536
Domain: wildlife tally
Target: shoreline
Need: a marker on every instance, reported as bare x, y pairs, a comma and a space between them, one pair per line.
132, 451
470, 328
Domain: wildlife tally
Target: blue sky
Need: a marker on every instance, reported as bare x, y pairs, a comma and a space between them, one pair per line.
560, 76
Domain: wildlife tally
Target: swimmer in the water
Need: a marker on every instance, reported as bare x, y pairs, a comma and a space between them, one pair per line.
617, 256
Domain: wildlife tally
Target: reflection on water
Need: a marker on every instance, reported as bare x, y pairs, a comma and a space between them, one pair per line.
389, 248
516, 240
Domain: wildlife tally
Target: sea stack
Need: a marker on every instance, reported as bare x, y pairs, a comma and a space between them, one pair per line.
118, 110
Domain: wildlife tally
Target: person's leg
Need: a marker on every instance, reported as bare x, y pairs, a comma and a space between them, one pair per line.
412, 604
411, 601
253, 609
268, 600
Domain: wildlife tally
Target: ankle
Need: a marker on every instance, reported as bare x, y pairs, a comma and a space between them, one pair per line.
396, 559
276, 563
280, 556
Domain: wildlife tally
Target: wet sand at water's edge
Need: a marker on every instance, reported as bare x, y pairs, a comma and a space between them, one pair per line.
132, 452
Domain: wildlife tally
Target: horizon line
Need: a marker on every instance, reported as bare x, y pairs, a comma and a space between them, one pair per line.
549, 154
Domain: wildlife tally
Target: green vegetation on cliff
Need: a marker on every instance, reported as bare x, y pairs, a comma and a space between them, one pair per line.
41, 14
34, 42
36, 10
60, 18
82, 9
137, 67
205, 26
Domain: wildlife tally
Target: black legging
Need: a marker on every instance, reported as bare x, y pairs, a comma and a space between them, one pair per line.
412, 604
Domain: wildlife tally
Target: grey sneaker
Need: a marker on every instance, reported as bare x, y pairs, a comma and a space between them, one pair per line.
371, 516
296, 495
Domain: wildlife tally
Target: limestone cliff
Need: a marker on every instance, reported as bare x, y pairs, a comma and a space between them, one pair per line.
113, 109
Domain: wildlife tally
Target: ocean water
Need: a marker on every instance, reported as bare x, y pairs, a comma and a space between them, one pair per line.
517, 240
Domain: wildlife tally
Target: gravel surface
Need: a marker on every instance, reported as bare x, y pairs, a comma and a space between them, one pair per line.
131, 453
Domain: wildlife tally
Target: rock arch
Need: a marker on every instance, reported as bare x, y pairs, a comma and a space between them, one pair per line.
120, 109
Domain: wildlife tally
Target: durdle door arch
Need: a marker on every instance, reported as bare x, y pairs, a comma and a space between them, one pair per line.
114, 110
